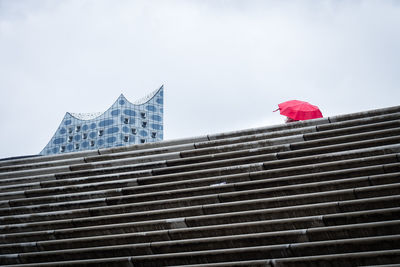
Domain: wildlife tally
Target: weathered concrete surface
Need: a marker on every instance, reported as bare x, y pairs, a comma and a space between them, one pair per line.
299, 194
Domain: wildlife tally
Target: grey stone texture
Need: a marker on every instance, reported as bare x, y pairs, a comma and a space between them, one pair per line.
322, 192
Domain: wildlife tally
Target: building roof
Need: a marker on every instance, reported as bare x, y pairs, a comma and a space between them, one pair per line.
93, 115
310, 193
86, 116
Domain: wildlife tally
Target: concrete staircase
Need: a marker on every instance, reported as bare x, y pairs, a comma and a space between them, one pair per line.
323, 192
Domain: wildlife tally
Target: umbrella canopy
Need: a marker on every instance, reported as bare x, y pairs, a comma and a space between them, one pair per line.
299, 110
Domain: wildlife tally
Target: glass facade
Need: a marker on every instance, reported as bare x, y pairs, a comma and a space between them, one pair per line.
124, 123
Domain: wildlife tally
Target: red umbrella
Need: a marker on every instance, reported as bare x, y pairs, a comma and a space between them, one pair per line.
299, 110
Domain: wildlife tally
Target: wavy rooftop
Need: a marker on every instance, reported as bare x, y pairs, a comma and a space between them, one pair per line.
124, 123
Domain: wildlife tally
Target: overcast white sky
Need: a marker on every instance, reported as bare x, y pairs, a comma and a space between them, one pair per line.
225, 65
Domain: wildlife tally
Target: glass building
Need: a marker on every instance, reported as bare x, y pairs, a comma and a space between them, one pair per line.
124, 123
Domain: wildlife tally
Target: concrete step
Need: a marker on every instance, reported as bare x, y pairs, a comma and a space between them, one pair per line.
378, 258
73, 239
69, 171
147, 193
285, 151
273, 158
157, 147
264, 188
142, 254
364, 114
308, 133
269, 252
162, 243
90, 168
113, 163
324, 132
42, 165
148, 149
272, 135
278, 144
355, 122
316, 188
283, 155
245, 157
139, 193
250, 232
54, 180
254, 178
110, 262
332, 162
293, 211
365, 117
190, 225
166, 210
383, 265
143, 155
40, 159
340, 118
